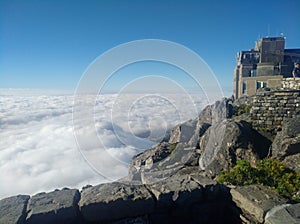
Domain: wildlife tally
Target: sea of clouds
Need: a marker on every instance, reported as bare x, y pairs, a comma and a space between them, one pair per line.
38, 144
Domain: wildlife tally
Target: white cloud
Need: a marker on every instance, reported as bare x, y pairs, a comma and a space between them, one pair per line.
38, 150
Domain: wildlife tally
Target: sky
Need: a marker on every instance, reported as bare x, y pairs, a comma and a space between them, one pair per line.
50, 44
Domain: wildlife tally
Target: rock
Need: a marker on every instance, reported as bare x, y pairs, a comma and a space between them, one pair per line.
58, 206
114, 201
284, 214
183, 132
179, 189
186, 187
161, 162
190, 197
189, 132
287, 141
255, 201
136, 220
13, 209
293, 162
203, 123
228, 141
146, 159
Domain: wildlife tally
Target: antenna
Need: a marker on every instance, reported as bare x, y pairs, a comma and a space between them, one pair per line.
268, 30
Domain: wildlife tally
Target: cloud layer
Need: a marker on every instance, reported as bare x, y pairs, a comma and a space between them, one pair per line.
38, 150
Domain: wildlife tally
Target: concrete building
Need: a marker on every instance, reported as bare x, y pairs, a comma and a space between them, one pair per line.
263, 66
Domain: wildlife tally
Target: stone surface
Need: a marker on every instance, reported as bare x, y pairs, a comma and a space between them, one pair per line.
228, 141
284, 214
161, 162
183, 132
287, 141
13, 209
190, 197
114, 201
179, 189
58, 206
291, 83
271, 109
293, 162
255, 201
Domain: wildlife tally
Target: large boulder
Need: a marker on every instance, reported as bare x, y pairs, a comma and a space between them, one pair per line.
255, 201
161, 162
190, 197
293, 162
226, 142
287, 141
183, 132
59, 206
284, 214
115, 201
184, 188
191, 131
13, 209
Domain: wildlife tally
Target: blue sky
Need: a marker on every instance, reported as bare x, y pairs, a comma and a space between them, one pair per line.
49, 44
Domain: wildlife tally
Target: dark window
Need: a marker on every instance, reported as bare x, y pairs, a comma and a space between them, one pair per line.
244, 88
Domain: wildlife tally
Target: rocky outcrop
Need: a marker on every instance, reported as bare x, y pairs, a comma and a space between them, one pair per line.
255, 201
13, 209
114, 201
161, 162
58, 207
284, 214
228, 141
183, 132
287, 141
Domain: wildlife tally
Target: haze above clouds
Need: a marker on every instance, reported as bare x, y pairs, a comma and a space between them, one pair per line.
38, 150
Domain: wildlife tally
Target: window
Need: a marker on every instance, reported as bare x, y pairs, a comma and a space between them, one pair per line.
260, 84
244, 88
253, 73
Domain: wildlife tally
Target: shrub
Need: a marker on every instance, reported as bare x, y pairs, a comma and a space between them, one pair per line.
269, 172
241, 109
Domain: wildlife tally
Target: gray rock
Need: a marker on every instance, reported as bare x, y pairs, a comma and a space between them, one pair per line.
191, 131
114, 201
58, 206
13, 209
190, 197
228, 141
255, 201
284, 214
183, 132
147, 159
203, 123
185, 188
180, 190
293, 162
287, 141
161, 162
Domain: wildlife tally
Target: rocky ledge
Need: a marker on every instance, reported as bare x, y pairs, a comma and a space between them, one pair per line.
174, 181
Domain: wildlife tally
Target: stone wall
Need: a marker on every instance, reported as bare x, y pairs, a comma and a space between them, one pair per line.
290, 83
271, 108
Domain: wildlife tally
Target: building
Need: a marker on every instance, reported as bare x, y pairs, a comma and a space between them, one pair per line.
263, 66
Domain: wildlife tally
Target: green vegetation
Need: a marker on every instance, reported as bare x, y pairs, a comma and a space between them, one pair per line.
241, 109
269, 172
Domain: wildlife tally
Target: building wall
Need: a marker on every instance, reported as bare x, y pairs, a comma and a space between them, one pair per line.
252, 84
290, 83
270, 109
